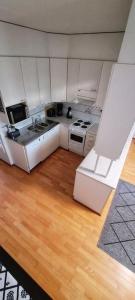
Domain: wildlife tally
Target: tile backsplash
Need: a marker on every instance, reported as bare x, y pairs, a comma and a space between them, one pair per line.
82, 111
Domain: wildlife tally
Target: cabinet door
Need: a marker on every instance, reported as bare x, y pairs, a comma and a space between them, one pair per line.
64, 136
50, 141
33, 152
73, 79
89, 144
18, 155
89, 76
103, 84
11, 81
30, 78
58, 79
43, 69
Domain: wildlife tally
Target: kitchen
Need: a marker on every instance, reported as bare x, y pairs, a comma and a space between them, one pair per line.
66, 128
36, 125
40, 87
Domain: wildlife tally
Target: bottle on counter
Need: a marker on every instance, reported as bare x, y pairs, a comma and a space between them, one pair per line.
69, 113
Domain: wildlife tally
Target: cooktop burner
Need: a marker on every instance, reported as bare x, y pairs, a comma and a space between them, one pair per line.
76, 124
87, 123
80, 121
83, 126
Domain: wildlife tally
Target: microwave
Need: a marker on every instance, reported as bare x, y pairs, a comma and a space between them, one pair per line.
17, 113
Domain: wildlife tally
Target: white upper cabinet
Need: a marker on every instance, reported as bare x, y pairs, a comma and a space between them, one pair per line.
89, 77
103, 84
58, 79
11, 81
43, 70
29, 70
73, 79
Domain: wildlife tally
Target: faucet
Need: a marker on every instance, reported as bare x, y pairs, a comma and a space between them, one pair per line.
33, 122
38, 120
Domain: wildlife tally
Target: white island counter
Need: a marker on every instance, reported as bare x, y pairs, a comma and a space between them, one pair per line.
92, 189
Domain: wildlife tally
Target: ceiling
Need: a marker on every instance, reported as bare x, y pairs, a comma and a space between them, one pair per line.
67, 16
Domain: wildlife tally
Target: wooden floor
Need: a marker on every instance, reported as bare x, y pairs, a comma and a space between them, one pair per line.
55, 238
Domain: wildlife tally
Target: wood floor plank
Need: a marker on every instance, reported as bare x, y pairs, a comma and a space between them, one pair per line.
53, 237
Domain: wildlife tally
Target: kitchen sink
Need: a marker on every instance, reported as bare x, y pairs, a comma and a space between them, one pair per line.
38, 127
43, 124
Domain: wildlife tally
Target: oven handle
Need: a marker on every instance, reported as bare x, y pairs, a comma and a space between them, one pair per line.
77, 135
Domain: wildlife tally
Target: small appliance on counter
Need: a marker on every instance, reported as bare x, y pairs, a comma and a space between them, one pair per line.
17, 113
59, 109
12, 132
51, 112
69, 113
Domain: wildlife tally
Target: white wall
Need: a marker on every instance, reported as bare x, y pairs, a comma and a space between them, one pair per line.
20, 41
96, 46
127, 52
58, 45
15, 40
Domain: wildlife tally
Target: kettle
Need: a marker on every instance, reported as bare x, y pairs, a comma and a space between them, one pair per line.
69, 113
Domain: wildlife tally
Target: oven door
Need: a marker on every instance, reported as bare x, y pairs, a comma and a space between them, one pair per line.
76, 138
76, 143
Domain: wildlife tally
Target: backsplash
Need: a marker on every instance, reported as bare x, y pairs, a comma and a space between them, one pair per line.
83, 111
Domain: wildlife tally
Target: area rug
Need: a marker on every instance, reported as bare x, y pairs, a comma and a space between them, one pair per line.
15, 283
118, 234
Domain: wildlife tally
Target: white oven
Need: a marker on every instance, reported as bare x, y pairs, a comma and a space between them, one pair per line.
77, 135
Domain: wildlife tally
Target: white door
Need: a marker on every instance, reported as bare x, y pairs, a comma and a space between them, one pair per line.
3, 153
11, 81
89, 77
18, 155
30, 78
73, 79
34, 153
50, 141
43, 70
64, 136
58, 79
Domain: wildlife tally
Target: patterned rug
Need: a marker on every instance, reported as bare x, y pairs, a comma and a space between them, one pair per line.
118, 234
15, 283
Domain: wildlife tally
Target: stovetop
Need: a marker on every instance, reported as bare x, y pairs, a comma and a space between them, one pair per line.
81, 126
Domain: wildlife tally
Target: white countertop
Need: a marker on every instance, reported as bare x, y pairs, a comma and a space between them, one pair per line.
87, 165
62, 119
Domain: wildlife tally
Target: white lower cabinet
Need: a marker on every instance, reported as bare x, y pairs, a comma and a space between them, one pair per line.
64, 136
50, 141
18, 155
42, 147
27, 157
34, 153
